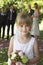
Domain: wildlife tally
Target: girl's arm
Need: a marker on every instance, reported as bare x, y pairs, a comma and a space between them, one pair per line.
36, 52
10, 47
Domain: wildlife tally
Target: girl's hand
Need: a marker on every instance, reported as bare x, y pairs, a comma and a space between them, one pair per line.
19, 63
28, 63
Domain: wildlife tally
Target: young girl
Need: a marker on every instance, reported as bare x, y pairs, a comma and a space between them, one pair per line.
23, 41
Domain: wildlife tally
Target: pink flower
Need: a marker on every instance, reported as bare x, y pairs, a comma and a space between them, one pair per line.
18, 63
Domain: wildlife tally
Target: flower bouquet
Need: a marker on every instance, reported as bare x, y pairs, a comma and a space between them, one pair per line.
18, 58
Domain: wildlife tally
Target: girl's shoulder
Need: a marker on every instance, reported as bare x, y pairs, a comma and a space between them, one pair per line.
13, 38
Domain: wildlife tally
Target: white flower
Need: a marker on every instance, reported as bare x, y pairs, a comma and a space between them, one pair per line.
13, 55
20, 53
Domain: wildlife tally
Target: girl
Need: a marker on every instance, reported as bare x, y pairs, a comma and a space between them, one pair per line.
23, 41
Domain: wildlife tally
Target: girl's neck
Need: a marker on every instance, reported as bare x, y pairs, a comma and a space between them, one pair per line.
26, 36
24, 39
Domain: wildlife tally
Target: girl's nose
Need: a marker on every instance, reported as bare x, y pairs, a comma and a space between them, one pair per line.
24, 28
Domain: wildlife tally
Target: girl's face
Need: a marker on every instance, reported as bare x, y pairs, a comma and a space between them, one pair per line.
23, 29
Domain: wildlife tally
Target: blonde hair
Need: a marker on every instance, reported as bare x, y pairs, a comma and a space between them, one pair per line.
23, 19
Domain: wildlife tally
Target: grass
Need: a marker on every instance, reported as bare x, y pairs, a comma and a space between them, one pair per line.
3, 57
41, 33
41, 59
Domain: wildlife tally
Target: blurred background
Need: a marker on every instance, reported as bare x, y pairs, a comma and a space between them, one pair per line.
18, 4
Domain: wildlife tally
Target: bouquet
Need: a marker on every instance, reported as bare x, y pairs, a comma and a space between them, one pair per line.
18, 58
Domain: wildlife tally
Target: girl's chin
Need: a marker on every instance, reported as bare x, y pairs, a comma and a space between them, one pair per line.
24, 34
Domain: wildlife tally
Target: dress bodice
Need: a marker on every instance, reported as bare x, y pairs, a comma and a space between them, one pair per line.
26, 48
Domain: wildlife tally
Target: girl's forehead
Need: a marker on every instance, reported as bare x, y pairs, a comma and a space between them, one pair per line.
23, 23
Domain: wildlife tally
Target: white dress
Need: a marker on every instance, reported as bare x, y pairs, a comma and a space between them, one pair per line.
26, 48
35, 26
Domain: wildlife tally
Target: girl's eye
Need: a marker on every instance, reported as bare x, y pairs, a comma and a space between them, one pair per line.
27, 25
21, 25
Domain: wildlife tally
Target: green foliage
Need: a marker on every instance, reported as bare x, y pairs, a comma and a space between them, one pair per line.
41, 33
3, 55
41, 59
